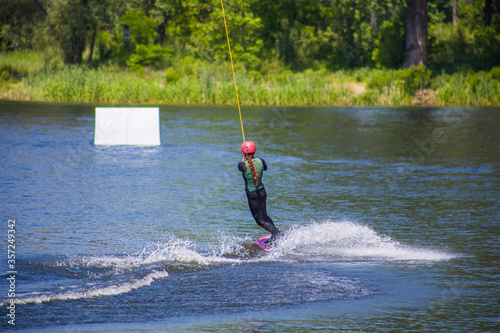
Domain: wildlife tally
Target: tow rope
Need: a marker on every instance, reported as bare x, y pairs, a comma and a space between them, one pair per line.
234, 76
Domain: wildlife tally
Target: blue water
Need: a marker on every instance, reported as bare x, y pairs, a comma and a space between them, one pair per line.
391, 218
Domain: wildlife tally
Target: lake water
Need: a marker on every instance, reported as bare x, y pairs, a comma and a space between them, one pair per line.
391, 218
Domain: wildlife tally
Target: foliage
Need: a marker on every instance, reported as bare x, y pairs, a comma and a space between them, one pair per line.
68, 24
209, 37
142, 27
296, 34
106, 44
390, 45
285, 52
18, 23
469, 44
189, 81
172, 75
148, 55
469, 88
408, 81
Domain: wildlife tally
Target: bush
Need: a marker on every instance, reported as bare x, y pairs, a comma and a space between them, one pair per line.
409, 80
256, 76
380, 79
5, 75
390, 46
361, 74
188, 65
414, 78
487, 47
172, 75
495, 73
105, 44
284, 77
145, 55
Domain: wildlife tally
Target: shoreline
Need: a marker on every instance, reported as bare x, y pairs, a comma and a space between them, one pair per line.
417, 101
131, 104
213, 86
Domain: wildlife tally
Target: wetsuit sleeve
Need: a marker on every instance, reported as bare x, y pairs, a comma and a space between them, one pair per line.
242, 166
264, 164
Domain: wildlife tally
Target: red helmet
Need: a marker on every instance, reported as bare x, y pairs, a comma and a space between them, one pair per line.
248, 147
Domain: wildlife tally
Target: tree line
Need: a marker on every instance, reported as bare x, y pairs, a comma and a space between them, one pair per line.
299, 34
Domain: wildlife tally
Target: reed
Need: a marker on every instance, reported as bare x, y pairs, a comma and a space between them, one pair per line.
468, 88
27, 76
21, 62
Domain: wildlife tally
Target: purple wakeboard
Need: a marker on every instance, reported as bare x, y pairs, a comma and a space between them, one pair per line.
262, 243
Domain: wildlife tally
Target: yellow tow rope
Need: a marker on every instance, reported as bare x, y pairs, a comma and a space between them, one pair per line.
234, 76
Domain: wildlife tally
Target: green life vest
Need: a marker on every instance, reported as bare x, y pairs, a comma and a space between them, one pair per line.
248, 176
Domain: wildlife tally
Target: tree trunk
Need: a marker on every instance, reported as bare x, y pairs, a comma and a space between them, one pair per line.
40, 8
73, 39
92, 43
455, 17
488, 12
416, 33
373, 18
490, 9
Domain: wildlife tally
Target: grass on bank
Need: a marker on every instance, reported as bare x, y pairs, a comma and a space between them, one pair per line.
36, 76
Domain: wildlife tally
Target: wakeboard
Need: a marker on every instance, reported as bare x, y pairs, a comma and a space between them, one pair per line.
262, 243
259, 245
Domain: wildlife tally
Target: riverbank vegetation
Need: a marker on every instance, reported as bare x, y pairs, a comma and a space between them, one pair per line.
286, 53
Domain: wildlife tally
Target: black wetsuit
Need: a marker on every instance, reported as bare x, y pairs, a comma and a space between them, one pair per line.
257, 196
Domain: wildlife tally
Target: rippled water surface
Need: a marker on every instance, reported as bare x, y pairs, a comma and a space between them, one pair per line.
391, 220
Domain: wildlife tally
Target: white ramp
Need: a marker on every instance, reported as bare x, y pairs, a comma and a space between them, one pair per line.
127, 126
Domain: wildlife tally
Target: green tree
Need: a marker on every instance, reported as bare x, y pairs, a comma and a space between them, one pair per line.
470, 43
340, 34
289, 26
298, 34
68, 23
390, 44
103, 16
18, 21
176, 19
142, 27
209, 38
